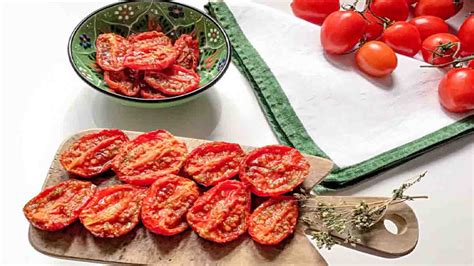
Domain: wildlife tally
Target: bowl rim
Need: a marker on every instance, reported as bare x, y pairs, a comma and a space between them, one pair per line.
149, 101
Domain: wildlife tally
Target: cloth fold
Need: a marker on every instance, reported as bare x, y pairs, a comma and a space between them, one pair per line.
324, 106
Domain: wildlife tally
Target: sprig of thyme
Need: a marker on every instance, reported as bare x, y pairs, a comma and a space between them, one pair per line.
330, 223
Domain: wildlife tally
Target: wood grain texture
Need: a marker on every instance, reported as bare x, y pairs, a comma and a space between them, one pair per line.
143, 247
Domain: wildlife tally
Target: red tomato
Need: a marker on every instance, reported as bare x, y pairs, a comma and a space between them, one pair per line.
113, 211
429, 25
376, 59
148, 92
439, 48
188, 52
341, 31
58, 206
213, 162
220, 214
466, 36
166, 204
274, 170
110, 51
374, 27
412, 2
403, 38
172, 81
392, 9
150, 51
471, 64
149, 156
123, 82
456, 90
92, 154
274, 220
314, 11
438, 8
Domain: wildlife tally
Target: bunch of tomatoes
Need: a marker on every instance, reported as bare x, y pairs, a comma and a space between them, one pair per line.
381, 29
148, 64
161, 185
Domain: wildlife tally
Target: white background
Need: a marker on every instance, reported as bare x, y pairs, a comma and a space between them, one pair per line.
43, 101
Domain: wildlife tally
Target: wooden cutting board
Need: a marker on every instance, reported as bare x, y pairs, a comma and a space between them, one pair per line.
143, 247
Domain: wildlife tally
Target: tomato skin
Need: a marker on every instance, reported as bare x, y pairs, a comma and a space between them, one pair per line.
188, 51
374, 27
123, 82
466, 36
429, 25
376, 58
456, 90
148, 157
220, 214
411, 2
93, 153
471, 64
211, 163
314, 11
147, 92
58, 206
113, 211
166, 204
396, 10
439, 8
341, 31
111, 50
273, 170
274, 220
173, 81
434, 44
403, 38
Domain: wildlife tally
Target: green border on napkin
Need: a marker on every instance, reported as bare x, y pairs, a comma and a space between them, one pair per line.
289, 129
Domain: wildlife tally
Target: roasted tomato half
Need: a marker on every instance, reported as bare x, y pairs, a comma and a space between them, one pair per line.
113, 211
58, 206
213, 162
274, 170
110, 51
149, 156
188, 52
124, 82
274, 220
166, 204
220, 214
150, 51
92, 153
172, 81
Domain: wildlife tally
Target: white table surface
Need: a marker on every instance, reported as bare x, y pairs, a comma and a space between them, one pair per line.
43, 101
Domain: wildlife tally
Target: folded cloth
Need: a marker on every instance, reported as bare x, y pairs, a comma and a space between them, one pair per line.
323, 105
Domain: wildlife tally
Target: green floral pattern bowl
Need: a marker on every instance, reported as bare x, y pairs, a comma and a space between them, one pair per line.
173, 19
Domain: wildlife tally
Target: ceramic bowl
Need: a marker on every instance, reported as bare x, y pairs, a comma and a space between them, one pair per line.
174, 19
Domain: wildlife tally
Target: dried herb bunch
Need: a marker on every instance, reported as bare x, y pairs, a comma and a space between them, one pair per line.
333, 223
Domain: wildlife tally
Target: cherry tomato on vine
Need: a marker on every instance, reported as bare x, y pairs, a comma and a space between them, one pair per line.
376, 59
221, 214
456, 90
149, 156
113, 211
396, 10
412, 2
466, 36
403, 38
273, 170
439, 48
471, 64
111, 50
314, 11
92, 154
274, 220
58, 206
374, 27
429, 25
172, 81
341, 31
439, 8
211, 163
166, 204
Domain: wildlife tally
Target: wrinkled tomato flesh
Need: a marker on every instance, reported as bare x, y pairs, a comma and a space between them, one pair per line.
173, 81
124, 82
188, 52
166, 204
111, 50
